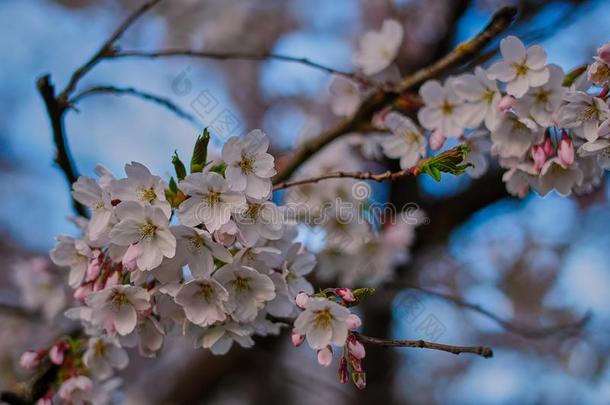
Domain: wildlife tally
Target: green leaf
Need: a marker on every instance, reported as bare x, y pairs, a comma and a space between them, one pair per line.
361, 293
450, 161
178, 166
173, 187
220, 169
200, 152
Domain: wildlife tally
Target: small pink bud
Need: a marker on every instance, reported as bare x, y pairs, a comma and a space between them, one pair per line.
45, 401
547, 146
506, 103
81, 292
355, 363
98, 284
131, 256
30, 360
113, 279
297, 340
301, 300
343, 370
437, 139
565, 151
353, 321
226, 234
355, 347
345, 294
603, 53
539, 157
56, 354
93, 270
325, 357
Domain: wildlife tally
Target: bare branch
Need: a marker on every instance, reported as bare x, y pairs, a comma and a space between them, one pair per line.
382, 97
422, 344
106, 49
18, 312
258, 56
130, 91
521, 330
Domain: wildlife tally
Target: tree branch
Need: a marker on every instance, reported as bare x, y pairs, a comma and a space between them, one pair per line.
524, 331
258, 56
384, 97
422, 344
130, 91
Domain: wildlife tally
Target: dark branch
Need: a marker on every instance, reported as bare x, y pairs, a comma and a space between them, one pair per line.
259, 56
524, 331
130, 91
422, 344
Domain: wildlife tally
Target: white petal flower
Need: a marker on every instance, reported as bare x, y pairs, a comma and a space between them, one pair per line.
521, 68
345, 96
481, 96
406, 142
299, 262
554, 176
261, 219
76, 390
141, 186
541, 103
73, 253
515, 136
442, 108
248, 291
197, 249
378, 49
104, 354
90, 194
203, 301
116, 308
249, 166
584, 113
211, 202
219, 338
323, 322
148, 226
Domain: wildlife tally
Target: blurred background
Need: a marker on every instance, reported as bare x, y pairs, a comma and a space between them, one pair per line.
536, 262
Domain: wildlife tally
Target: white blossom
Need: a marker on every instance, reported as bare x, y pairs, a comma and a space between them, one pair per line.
141, 186
249, 166
378, 49
219, 338
197, 249
76, 390
323, 322
248, 291
584, 113
116, 308
211, 202
514, 136
148, 226
406, 142
203, 301
260, 219
521, 68
442, 108
73, 253
104, 354
541, 103
482, 99
90, 194
345, 96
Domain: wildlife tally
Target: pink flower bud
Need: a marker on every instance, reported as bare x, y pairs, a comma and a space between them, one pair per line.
56, 354
30, 360
297, 340
93, 270
325, 357
45, 401
603, 53
81, 292
343, 370
565, 151
226, 234
345, 294
355, 347
113, 279
506, 103
131, 256
301, 300
539, 157
437, 139
547, 146
353, 321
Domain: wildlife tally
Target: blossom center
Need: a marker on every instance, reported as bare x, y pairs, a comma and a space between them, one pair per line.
542, 96
241, 284
119, 299
323, 318
98, 205
447, 108
207, 292
589, 112
195, 243
147, 231
147, 194
100, 348
246, 165
252, 211
212, 198
521, 69
488, 96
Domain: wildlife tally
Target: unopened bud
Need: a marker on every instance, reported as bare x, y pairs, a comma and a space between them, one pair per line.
355, 347
359, 380
353, 321
565, 151
131, 256
345, 294
297, 340
56, 354
30, 360
325, 357
81, 292
301, 300
506, 103
437, 139
603, 53
343, 370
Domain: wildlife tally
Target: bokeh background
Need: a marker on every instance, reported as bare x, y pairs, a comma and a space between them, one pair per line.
536, 262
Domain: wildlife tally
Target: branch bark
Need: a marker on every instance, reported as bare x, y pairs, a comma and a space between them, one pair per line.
422, 344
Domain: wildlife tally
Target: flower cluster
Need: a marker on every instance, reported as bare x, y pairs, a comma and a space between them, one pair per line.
209, 255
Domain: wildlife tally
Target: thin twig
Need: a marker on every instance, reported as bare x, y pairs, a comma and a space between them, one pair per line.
382, 97
257, 56
422, 344
521, 330
131, 91
18, 312
106, 49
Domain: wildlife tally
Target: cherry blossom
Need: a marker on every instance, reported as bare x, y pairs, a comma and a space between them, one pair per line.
104, 354
378, 49
406, 143
203, 301
323, 322
442, 109
116, 308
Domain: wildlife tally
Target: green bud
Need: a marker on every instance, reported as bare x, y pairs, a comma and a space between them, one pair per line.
200, 152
